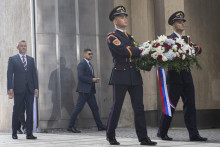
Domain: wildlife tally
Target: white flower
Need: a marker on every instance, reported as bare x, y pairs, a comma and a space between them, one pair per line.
185, 48
170, 55
153, 49
162, 38
146, 47
177, 54
174, 48
183, 57
142, 48
164, 58
154, 55
180, 41
145, 43
180, 51
146, 51
193, 51
170, 42
190, 52
159, 50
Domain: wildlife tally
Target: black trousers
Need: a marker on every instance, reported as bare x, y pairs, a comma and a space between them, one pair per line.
91, 100
22, 100
187, 92
136, 94
21, 118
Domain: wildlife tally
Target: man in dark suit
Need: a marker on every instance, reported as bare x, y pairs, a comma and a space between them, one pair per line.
181, 84
125, 77
22, 84
86, 90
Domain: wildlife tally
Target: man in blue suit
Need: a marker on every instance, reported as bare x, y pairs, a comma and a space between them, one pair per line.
86, 90
22, 84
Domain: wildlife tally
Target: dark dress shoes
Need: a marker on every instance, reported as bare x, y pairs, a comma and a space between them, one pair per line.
147, 141
14, 136
166, 137
198, 138
31, 137
113, 141
74, 130
102, 128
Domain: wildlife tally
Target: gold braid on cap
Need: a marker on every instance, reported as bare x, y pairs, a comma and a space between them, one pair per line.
120, 9
179, 15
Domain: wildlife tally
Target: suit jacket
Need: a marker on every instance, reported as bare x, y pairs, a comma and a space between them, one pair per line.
17, 78
122, 48
184, 76
85, 76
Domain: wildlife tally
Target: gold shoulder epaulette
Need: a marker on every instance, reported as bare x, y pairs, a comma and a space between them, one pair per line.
110, 33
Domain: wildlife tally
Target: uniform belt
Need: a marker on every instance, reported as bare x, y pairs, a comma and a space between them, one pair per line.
123, 60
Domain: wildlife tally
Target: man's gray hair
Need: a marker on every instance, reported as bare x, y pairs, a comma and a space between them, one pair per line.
20, 42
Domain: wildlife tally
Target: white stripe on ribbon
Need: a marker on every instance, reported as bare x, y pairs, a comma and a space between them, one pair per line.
35, 121
165, 89
165, 96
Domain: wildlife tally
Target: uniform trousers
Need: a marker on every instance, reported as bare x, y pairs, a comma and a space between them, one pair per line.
136, 95
187, 93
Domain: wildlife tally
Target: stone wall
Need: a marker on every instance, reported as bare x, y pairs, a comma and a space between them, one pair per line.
15, 25
203, 27
64, 29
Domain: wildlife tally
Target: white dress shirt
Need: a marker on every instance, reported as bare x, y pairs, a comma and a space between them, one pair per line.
178, 35
120, 30
21, 56
89, 65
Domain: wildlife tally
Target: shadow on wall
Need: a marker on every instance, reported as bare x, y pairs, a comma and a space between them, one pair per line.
62, 108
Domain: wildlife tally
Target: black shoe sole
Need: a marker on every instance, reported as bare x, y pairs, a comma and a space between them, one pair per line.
199, 140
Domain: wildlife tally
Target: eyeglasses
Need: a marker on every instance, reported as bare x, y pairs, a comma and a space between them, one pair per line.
90, 54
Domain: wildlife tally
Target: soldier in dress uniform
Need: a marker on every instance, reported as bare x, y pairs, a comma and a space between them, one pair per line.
181, 84
125, 77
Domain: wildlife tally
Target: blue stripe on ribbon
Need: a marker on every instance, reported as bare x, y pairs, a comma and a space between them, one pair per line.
164, 94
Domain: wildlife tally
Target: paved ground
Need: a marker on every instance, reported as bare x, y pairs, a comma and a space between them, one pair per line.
93, 138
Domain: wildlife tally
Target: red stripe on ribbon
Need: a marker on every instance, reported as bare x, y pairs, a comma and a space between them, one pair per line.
161, 91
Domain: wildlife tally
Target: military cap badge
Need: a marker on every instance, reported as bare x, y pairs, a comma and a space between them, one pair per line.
119, 10
179, 15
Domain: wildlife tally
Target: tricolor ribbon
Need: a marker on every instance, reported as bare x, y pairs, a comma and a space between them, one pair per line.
35, 116
166, 103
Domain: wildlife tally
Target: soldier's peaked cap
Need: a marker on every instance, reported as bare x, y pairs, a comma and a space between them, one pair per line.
179, 15
119, 10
